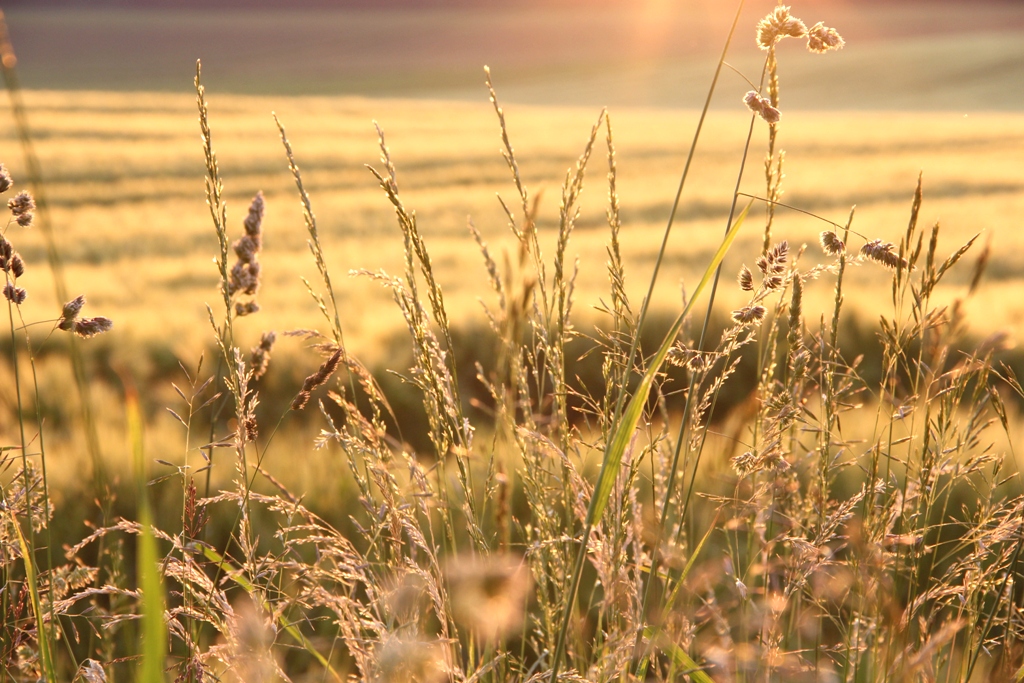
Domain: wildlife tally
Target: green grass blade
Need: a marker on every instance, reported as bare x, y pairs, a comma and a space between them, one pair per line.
631, 417
154, 630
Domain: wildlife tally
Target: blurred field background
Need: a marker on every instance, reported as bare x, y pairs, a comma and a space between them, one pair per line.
932, 87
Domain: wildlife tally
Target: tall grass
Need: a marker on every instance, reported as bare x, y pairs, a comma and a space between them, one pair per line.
851, 527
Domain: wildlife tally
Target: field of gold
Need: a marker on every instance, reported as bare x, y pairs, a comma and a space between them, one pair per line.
124, 179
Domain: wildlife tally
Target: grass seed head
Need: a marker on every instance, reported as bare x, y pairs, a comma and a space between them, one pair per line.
245, 278
70, 313
90, 327
746, 280
743, 463
16, 295
92, 671
317, 379
830, 243
247, 247
749, 314
762, 107
5, 179
882, 252
254, 221
261, 354
10, 260
796, 311
300, 400
22, 205
777, 256
777, 25
247, 308
821, 38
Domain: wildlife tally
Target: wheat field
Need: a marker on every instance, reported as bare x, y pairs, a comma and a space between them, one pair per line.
122, 172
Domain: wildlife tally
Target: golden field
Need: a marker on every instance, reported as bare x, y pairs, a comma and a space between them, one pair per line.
123, 168
125, 182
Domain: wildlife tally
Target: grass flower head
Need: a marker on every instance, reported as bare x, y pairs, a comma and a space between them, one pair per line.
762, 107
777, 25
821, 38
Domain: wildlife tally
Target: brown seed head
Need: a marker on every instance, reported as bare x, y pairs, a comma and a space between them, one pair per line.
90, 327
746, 280
261, 354
762, 107
777, 257
70, 313
317, 379
300, 400
16, 295
21, 203
254, 221
795, 311
92, 671
247, 247
882, 252
250, 429
744, 463
247, 308
830, 243
821, 38
677, 356
245, 278
17, 265
749, 314
5, 179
